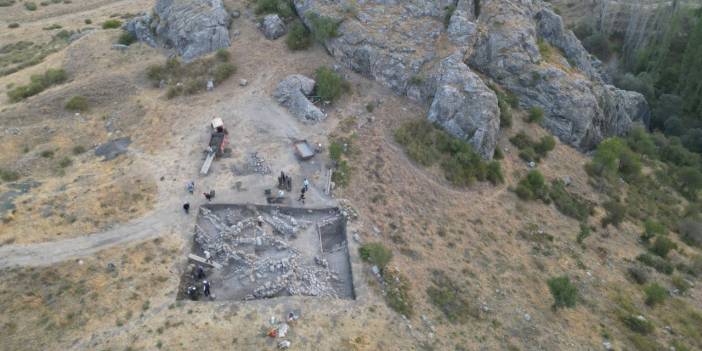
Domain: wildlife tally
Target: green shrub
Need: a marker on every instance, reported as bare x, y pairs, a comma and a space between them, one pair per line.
13, 25
652, 228
329, 85
680, 283
416, 79
563, 291
536, 115
532, 187
323, 28
583, 234
657, 263
78, 149
662, 246
77, 103
616, 212
545, 145
449, 10
570, 204
38, 83
47, 154
111, 24
497, 154
88, 21
126, 38
65, 162
6, 3
223, 55
375, 253
494, 173
449, 298
638, 274
655, 294
397, 292
8, 176
638, 324
30, 6
690, 230
505, 112
545, 49
223, 71
598, 44
282, 7
299, 37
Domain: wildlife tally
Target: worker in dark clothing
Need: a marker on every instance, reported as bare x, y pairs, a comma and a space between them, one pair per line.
186, 207
199, 273
206, 288
192, 292
302, 195
208, 196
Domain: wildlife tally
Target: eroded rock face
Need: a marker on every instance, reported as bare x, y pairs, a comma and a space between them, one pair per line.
272, 27
465, 107
405, 46
191, 27
292, 93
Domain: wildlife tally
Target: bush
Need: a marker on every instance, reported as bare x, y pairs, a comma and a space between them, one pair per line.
638, 324
78, 149
65, 162
299, 37
8, 176
38, 83
323, 28
662, 246
655, 294
691, 231
638, 274
505, 113
222, 72
532, 187
13, 25
651, 229
376, 254
494, 173
583, 234
616, 213
47, 154
397, 292
450, 9
657, 263
30, 6
193, 75
111, 24
77, 103
223, 55
6, 3
571, 205
545, 145
680, 283
88, 21
598, 45
126, 38
536, 115
282, 7
449, 298
563, 291
330, 86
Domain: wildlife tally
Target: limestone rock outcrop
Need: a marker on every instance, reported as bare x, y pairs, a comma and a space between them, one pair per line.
292, 93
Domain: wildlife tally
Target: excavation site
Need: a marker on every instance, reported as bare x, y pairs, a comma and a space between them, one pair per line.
249, 252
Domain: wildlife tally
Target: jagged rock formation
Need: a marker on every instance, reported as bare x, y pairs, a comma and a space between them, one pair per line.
465, 107
272, 27
403, 43
191, 27
292, 93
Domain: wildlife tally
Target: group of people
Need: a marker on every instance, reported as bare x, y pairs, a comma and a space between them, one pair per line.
190, 187
193, 291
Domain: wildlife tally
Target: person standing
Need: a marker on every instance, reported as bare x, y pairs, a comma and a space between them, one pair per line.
190, 186
302, 195
306, 184
186, 207
206, 288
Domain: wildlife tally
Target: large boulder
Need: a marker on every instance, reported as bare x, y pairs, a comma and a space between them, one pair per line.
190, 27
465, 107
272, 27
292, 93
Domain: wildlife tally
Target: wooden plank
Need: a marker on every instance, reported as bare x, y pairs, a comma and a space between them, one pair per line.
208, 162
202, 260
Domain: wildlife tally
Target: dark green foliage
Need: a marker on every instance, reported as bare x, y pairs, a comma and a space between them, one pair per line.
598, 44
532, 187
662, 246
505, 102
583, 234
13, 25
448, 297
680, 283
498, 155
397, 292
329, 85
449, 10
47, 154
613, 158
88, 21
193, 76
570, 204
655, 294
531, 151
65, 162
299, 37
283, 8
616, 212
338, 150
545, 145
30, 6
8, 176
78, 149
77, 103
38, 83
6, 3
111, 24
638, 324
323, 28
223, 71
652, 228
375, 253
223, 55
427, 145
126, 38
657, 263
536, 115
638, 274
563, 291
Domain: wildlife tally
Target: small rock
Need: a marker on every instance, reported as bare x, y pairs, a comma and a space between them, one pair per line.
527, 317
243, 82
120, 47
111, 267
375, 270
283, 345
531, 164
607, 345
210, 85
80, 262
236, 14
